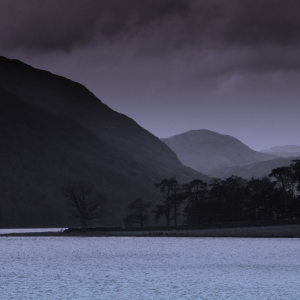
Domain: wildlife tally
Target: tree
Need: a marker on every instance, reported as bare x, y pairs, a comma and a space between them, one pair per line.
227, 198
296, 172
295, 165
286, 186
262, 198
165, 188
173, 198
284, 178
81, 197
196, 193
177, 198
139, 213
216, 200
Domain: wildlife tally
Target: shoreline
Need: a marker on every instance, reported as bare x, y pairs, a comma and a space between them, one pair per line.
278, 231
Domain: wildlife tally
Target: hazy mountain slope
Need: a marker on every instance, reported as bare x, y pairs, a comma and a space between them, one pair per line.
54, 130
204, 150
258, 169
283, 151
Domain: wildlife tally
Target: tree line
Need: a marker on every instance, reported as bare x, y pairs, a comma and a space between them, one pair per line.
233, 199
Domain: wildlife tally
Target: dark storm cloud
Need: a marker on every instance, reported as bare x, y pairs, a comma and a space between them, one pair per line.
251, 35
63, 25
171, 65
255, 22
50, 25
247, 23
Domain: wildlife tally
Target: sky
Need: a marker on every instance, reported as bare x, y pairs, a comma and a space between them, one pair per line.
172, 65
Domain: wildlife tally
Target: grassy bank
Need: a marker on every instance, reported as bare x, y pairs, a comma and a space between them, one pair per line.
259, 229
191, 227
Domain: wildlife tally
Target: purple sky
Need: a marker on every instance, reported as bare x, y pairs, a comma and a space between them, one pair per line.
172, 65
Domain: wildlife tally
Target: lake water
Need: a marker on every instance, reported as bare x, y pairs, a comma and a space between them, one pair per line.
149, 268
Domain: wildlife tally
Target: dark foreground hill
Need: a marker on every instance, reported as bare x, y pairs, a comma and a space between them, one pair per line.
204, 150
54, 130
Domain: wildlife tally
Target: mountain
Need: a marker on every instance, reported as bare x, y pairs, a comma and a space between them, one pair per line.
204, 150
258, 169
283, 151
54, 130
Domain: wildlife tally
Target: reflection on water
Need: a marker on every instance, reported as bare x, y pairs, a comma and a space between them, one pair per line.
149, 268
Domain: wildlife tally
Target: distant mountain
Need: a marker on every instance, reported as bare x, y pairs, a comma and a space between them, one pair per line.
54, 130
258, 169
283, 151
204, 150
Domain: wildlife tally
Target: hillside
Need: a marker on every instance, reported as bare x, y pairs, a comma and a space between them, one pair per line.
204, 150
54, 130
258, 169
283, 151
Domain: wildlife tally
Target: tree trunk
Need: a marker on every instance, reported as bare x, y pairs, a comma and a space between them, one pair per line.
175, 214
83, 225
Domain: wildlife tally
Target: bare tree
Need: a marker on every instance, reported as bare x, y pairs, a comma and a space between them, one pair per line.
86, 205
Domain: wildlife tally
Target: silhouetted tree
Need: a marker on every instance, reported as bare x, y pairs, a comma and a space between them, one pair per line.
139, 213
173, 198
196, 209
217, 200
286, 187
296, 172
86, 205
296, 177
177, 199
261, 199
238, 199
227, 199
284, 178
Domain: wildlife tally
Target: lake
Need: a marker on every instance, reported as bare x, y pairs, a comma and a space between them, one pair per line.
149, 268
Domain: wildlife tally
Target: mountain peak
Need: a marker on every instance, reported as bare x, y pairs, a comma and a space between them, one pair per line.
205, 150
204, 135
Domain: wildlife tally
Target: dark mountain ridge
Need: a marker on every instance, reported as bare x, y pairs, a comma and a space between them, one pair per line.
54, 130
60, 95
204, 150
